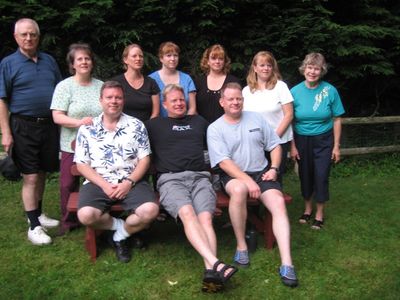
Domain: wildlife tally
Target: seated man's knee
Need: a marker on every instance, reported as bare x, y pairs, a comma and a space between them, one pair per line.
147, 212
275, 201
236, 188
88, 215
206, 219
186, 212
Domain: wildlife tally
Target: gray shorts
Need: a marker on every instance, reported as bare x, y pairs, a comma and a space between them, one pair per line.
188, 187
92, 195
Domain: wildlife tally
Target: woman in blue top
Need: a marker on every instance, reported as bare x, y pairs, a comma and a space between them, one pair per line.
317, 129
168, 54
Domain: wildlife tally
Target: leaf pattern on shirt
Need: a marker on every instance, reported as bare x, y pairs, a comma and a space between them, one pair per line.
320, 97
114, 154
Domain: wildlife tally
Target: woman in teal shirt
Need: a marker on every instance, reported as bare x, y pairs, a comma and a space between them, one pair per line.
317, 129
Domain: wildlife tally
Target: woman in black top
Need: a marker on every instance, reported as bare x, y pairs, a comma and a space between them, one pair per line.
142, 94
215, 64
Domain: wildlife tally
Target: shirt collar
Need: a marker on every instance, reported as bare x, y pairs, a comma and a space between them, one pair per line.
122, 122
24, 57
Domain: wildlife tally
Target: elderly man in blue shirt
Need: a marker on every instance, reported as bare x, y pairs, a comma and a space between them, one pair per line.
27, 81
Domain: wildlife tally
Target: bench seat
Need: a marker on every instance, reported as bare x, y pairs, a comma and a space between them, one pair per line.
262, 224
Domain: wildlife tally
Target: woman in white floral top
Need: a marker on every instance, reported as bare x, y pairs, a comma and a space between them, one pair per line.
75, 102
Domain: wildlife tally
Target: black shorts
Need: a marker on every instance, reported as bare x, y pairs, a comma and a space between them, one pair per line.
257, 177
36, 144
92, 195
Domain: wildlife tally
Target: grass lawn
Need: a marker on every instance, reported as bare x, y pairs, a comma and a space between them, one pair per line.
354, 257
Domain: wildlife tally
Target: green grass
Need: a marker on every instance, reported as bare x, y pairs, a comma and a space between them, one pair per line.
354, 257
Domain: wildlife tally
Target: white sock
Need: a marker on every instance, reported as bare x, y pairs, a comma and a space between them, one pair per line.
120, 234
117, 223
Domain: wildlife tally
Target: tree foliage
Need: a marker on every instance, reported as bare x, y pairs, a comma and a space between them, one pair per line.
359, 38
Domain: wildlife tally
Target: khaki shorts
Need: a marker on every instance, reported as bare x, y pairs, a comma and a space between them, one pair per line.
188, 187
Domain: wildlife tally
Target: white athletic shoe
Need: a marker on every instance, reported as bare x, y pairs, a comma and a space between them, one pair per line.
47, 222
38, 236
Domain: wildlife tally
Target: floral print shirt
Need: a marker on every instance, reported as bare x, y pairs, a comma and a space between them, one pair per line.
112, 154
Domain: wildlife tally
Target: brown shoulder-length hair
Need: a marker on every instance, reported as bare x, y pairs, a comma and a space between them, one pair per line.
72, 52
213, 51
315, 59
252, 76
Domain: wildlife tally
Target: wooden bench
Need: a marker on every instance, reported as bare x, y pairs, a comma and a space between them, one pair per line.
262, 224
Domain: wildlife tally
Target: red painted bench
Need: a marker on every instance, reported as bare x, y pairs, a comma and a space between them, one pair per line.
262, 224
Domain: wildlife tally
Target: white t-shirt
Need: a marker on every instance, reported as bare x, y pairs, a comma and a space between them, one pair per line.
269, 104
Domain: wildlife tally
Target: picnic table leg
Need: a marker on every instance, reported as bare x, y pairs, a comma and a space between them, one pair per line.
90, 242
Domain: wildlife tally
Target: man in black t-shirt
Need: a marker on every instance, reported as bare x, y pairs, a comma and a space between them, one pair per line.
178, 143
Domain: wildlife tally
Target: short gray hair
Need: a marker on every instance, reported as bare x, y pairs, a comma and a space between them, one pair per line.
27, 20
316, 59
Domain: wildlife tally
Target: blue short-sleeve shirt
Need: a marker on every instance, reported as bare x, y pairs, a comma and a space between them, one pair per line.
185, 81
28, 86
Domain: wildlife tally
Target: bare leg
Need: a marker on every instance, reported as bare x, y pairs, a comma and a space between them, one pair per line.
307, 206
196, 235
93, 217
32, 190
273, 200
142, 217
320, 211
238, 210
205, 219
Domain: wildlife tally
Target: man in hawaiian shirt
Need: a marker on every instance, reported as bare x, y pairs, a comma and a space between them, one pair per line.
113, 156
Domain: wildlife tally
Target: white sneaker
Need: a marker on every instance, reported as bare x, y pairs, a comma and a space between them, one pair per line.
38, 236
47, 222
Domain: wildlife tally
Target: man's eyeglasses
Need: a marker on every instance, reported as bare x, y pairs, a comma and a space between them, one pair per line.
24, 35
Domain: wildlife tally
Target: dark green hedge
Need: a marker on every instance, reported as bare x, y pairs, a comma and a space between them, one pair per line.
360, 38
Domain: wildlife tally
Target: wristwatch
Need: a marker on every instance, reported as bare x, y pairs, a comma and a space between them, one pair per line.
276, 169
133, 182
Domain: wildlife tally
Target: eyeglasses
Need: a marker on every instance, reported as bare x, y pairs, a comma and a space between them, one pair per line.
25, 35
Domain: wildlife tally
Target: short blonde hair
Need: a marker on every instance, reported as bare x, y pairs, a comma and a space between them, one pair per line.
171, 87
315, 59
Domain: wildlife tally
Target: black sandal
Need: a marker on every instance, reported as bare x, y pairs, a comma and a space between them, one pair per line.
305, 218
212, 282
317, 224
222, 271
